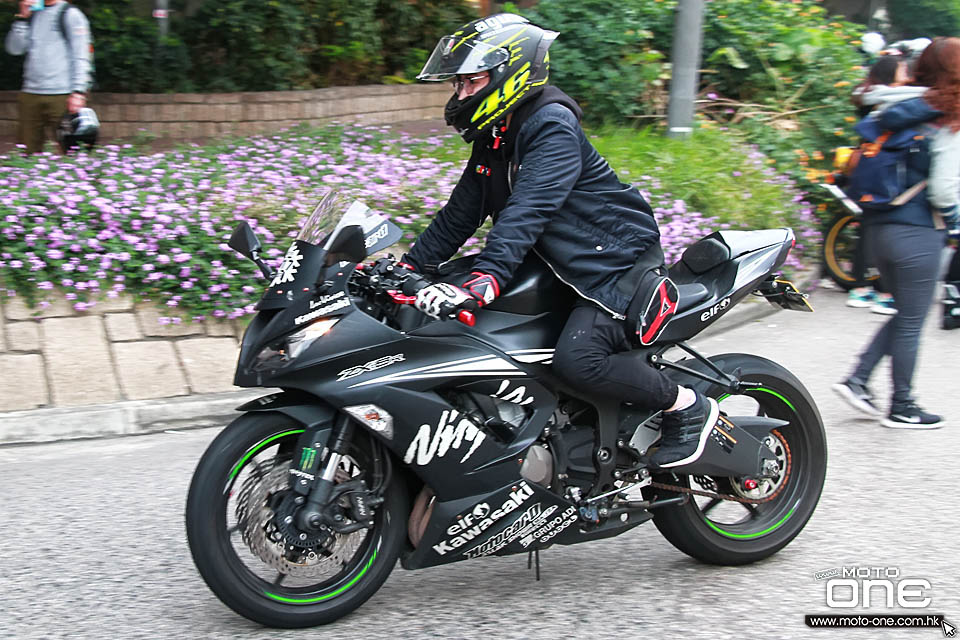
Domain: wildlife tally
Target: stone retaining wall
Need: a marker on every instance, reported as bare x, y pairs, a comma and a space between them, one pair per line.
117, 351
179, 116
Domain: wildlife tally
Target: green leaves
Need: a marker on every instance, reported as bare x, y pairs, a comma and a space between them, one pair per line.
730, 55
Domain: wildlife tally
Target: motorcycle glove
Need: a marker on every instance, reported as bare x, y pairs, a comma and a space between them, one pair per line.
483, 287
432, 300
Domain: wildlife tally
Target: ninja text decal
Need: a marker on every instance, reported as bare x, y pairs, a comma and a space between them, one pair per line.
450, 434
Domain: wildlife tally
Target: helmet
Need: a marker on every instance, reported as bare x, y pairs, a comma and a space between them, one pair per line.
512, 49
872, 43
78, 128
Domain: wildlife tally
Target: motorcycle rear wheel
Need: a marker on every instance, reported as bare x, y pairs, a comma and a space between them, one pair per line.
229, 520
842, 254
731, 533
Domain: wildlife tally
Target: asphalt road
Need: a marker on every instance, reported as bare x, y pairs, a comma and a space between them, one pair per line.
92, 541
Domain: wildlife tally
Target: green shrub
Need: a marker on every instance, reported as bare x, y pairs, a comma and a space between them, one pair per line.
924, 18
780, 71
608, 55
248, 45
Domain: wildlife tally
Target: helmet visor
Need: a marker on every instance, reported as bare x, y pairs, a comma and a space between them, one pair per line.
455, 55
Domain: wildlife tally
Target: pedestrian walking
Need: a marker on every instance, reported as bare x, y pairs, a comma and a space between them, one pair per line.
906, 241
55, 37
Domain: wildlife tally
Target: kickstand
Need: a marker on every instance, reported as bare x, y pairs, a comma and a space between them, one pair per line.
530, 556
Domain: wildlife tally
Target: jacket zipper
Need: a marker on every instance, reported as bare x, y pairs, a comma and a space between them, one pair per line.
614, 314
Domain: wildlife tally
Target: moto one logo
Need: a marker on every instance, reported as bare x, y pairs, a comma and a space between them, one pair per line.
865, 586
715, 309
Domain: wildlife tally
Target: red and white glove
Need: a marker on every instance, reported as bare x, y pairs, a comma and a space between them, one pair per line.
432, 299
483, 287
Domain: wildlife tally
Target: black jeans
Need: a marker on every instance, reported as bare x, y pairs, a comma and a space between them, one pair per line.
593, 354
908, 258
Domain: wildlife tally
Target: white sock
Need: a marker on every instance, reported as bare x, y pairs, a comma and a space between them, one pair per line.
685, 398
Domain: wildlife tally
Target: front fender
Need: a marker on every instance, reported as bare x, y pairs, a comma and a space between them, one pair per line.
305, 408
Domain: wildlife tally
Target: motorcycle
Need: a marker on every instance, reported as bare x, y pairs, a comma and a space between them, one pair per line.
397, 436
842, 255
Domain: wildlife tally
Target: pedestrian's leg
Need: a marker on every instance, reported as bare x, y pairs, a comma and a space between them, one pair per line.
30, 121
54, 108
880, 345
917, 256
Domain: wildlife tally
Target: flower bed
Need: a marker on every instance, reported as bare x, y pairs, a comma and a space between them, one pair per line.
155, 226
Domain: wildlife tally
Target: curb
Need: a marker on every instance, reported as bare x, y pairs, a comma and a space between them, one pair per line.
135, 417
140, 417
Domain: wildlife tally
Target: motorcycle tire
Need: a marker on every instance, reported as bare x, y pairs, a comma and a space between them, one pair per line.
839, 253
238, 482
745, 534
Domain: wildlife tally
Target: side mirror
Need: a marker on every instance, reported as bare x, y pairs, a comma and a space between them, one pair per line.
245, 241
349, 245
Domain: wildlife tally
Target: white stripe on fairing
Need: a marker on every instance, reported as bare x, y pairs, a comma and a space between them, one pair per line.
711, 422
532, 356
479, 362
533, 359
498, 364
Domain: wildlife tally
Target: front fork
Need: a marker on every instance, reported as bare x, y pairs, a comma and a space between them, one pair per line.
322, 493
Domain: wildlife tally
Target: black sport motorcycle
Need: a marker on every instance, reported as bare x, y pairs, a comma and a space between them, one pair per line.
398, 436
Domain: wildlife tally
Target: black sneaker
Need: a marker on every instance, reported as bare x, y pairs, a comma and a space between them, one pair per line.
858, 396
685, 433
908, 415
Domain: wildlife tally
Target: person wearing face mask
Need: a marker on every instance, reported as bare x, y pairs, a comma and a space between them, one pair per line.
55, 37
549, 193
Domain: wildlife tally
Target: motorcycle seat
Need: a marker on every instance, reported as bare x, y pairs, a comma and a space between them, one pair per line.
690, 295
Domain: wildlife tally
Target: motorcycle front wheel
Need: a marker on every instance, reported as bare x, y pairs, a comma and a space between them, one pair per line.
261, 568
771, 514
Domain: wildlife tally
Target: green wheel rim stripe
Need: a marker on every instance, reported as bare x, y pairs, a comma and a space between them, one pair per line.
747, 536
328, 595
773, 527
257, 447
770, 391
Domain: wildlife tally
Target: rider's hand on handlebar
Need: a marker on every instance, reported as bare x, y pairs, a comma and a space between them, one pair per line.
441, 299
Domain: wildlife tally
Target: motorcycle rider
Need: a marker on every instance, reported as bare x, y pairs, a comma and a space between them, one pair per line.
548, 190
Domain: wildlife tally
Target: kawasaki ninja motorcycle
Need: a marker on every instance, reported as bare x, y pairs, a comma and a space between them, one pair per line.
396, 436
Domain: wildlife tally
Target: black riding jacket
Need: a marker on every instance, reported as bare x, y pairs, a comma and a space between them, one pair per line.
548, 190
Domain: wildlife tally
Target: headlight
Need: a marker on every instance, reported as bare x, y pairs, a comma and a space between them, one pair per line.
288, 348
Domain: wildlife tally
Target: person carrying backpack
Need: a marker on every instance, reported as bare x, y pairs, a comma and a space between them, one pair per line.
909, 190
57, 72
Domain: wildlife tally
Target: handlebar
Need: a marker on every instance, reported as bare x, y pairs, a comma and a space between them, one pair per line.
389, 277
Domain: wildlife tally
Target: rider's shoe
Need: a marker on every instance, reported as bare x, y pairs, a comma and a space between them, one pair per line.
907, 415
685, 433
861, 297
858, 396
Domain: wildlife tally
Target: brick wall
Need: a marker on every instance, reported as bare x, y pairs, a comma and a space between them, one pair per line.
180, 116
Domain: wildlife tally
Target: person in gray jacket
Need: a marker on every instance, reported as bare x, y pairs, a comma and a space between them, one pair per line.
907, 241
55, 37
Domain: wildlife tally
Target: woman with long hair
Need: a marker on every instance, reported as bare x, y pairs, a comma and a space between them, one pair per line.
906, 242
